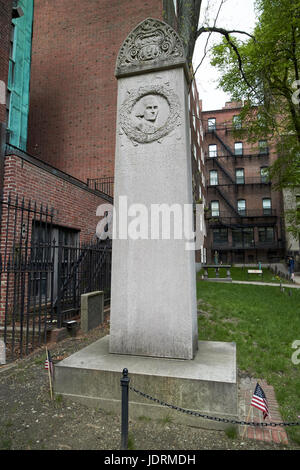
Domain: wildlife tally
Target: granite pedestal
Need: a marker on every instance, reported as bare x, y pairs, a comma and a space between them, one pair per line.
206, 384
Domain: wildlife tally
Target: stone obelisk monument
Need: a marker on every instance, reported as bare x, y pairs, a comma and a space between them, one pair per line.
153, 319
153, 295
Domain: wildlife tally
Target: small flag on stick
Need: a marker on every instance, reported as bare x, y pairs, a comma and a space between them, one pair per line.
259, 400
50, 368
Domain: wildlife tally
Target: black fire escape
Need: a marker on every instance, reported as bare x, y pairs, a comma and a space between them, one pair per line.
234, 218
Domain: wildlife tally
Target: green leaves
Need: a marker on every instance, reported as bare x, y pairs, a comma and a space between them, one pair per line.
266, 74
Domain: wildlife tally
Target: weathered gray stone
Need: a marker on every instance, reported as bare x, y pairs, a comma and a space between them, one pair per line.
207, 384
2, 352
92, 310
153, 290
153, 319
152, 45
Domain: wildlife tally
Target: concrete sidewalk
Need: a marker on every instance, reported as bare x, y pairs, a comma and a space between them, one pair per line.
257, 283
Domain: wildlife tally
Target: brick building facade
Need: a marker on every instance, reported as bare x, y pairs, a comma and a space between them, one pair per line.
73, 89
73, 95
244, 215
69, 143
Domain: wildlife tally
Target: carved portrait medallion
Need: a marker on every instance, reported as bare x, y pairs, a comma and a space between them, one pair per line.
150, 113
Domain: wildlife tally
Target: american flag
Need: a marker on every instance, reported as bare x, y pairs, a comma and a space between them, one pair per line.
49, 363
259, 400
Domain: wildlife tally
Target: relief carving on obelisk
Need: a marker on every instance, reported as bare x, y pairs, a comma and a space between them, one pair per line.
149, 113
151, 41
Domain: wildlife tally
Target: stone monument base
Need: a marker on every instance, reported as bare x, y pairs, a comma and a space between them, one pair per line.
207, 384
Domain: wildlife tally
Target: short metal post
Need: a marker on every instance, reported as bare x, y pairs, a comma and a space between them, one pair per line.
124, 423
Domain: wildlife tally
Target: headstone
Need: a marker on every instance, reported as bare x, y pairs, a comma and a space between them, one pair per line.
92, 310
2, 352
153, 290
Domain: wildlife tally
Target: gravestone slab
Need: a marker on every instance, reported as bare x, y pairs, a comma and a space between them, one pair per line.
2, 352
92, 310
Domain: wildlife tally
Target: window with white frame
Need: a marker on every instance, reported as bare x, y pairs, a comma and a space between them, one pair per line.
267, 206
238, 148
239, 176
212, 151
211, 124
241, 206
215, 208
213, 178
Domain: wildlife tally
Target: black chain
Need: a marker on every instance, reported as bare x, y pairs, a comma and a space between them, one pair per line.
214, 418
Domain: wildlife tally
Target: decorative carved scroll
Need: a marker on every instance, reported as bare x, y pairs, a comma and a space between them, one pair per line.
151, 41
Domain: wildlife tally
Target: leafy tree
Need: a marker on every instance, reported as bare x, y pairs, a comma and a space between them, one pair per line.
264, 72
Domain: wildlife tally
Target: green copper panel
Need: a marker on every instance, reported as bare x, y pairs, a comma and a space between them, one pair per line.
19, 76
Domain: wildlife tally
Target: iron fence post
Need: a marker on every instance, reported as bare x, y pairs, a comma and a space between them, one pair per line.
124, 411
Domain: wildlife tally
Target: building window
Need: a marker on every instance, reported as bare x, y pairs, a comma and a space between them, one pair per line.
267, 206
238, 148
264, 178
220, 236
213, 178
237, 122
266, 234
243, 238
241, 206
263, 147
42, 237
211, 124
215, 211
239, 176
212, 151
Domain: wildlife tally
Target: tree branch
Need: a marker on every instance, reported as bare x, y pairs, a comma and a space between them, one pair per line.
224, 32
214, 29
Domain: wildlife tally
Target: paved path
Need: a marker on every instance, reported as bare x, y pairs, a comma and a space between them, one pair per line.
257, 283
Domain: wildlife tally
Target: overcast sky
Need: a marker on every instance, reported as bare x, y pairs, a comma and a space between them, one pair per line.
235, 14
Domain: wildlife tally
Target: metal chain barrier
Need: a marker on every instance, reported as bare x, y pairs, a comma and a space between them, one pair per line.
213, 418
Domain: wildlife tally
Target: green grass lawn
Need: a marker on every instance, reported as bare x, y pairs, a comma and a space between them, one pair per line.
263, 322
241, 274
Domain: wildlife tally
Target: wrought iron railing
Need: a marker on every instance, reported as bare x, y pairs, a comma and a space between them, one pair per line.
105, 185
42, 279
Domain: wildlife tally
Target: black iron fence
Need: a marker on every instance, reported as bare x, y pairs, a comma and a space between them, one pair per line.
42, 277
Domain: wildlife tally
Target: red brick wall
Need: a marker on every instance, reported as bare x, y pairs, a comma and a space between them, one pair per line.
197, 143
5, 25
252, 193
73, 88
74, 207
